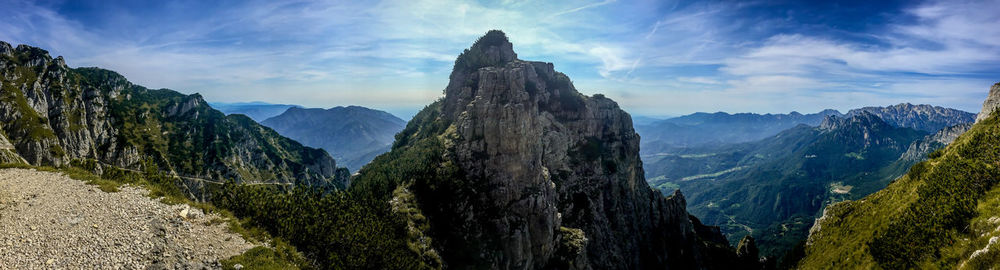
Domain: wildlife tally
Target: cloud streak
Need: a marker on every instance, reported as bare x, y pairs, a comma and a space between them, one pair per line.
660, 58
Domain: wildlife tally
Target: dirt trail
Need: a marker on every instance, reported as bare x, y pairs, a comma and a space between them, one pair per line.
48, 220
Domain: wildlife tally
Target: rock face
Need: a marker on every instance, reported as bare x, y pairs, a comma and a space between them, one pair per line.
54, 115
7, 152
920, 117
991, 104
552, 178
353, 135
918, 150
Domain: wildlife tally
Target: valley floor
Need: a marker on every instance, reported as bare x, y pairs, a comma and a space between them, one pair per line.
49, 220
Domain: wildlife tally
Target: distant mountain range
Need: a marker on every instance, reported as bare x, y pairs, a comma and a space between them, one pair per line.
920, 117
257, 110
353, 135
943, 214
720, 128
723, 128
776, 186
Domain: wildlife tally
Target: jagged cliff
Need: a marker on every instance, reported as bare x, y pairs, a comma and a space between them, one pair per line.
54, 115
992, 103
8, 154
528, 173
918, 150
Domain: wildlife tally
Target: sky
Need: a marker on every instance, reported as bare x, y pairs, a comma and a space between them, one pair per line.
655, 58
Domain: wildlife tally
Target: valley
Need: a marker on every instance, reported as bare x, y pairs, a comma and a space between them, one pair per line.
774, 188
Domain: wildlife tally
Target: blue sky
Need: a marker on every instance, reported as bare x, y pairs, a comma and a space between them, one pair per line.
653, 57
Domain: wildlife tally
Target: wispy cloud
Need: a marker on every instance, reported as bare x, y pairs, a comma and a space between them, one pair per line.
654, 57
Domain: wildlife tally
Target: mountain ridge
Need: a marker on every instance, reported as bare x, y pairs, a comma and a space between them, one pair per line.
353, 135
60, 116
256, 110
920, 117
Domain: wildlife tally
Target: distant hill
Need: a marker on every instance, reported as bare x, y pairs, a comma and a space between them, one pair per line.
920, 117
700, 129
353, 135
638, 120
258, 111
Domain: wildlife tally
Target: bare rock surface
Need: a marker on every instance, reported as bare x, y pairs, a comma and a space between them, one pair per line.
992, 103
51, 221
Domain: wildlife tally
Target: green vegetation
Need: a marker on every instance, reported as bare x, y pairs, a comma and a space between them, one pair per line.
937, 216
776, 187
282, 256
374, 225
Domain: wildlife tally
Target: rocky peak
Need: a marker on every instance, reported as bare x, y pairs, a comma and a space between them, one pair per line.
918, 150
920, 117
861, 119
541, 164
492, 49
6, 49
991, 103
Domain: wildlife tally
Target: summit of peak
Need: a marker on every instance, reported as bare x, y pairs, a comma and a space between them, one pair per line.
492, 49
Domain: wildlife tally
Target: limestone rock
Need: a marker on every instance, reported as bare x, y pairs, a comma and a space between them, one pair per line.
918, 150
991, 103
550, 171
55, 115
922, 117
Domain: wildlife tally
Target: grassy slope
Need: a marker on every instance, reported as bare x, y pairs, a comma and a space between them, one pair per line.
936, 216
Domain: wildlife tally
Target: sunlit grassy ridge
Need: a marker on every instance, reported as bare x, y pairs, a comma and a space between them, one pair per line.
936, 216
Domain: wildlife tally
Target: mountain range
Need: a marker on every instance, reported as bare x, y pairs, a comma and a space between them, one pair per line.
701, 129
920, 117
353, 135
773, 188
60, 116
257, 110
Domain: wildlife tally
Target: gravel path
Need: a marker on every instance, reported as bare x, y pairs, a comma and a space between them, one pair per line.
51, 221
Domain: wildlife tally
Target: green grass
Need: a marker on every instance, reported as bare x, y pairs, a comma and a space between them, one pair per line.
935, 217
282, 256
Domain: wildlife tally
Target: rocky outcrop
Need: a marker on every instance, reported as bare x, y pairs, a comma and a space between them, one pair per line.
991, 104
918, 150
551, 178
8, 154
54, 115
920, 117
